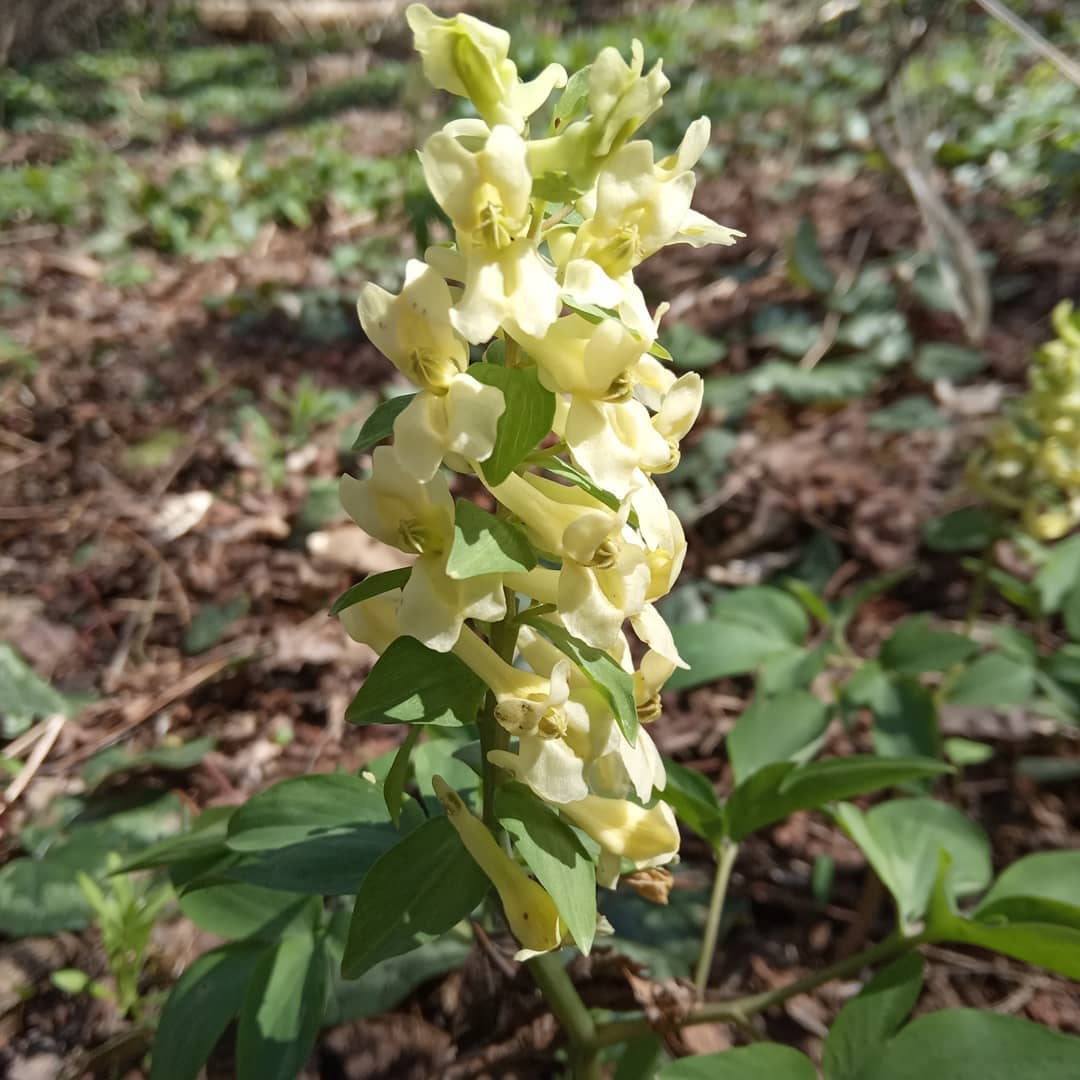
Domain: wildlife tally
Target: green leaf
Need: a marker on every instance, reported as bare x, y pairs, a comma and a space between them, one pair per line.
412, 684
690, 350
1059, 575
386, 986
70, 980
903, 840
303, 807
372, 585
693, 798
202, 1003
438, 756
914, 647
416, 892
913, 413
205, 839
1038, 934
316, 835
871, 1017
1047, 875
970, 529
795, 669
615, 685
784, 787
773, 611
380, 424
568, 471
773, 729
397, 777
573, 101
715, 649
763, 1061
969, 1044
639, 1058
233, 910
211, 622
553, 852
964, 752
485, 544
1070, 611
38, 897
905, 719
23, 696
530, 410
805, 263
994, 679
122, 759
283, 1010
940, 360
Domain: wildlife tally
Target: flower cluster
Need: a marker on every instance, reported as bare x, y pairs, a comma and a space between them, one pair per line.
1030, 465
531, 315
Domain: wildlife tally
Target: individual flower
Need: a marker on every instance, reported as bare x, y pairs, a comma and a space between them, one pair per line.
640, 206
533, 917
645, 836
468, 57
604, 574
418, 518
486, 194
453, 413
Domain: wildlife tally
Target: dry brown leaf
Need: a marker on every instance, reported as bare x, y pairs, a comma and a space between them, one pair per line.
353, 549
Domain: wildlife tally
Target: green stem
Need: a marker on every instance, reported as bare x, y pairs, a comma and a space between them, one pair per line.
978, 594
503, 636
571, 1012
726, 856
739, 1010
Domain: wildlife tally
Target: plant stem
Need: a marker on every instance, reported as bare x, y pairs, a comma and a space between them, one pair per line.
503, 636
726, 855
571, 1012
738, 1010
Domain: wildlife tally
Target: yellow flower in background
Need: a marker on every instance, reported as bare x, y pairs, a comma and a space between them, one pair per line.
534, 920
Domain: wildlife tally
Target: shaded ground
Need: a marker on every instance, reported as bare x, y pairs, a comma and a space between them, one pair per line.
169, 543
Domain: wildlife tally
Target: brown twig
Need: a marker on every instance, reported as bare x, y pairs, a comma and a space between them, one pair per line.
49, 735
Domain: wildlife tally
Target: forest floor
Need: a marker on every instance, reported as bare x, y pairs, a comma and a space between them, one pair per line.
173, 426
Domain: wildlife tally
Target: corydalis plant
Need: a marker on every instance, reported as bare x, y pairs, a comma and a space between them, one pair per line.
1030, 465
566, 420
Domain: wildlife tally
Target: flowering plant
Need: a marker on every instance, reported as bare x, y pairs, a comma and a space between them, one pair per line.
528, 616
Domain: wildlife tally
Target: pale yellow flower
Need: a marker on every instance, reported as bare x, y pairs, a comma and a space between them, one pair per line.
533, 917
418, 518
469, 57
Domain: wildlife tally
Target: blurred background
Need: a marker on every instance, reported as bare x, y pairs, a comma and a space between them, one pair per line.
191, 195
